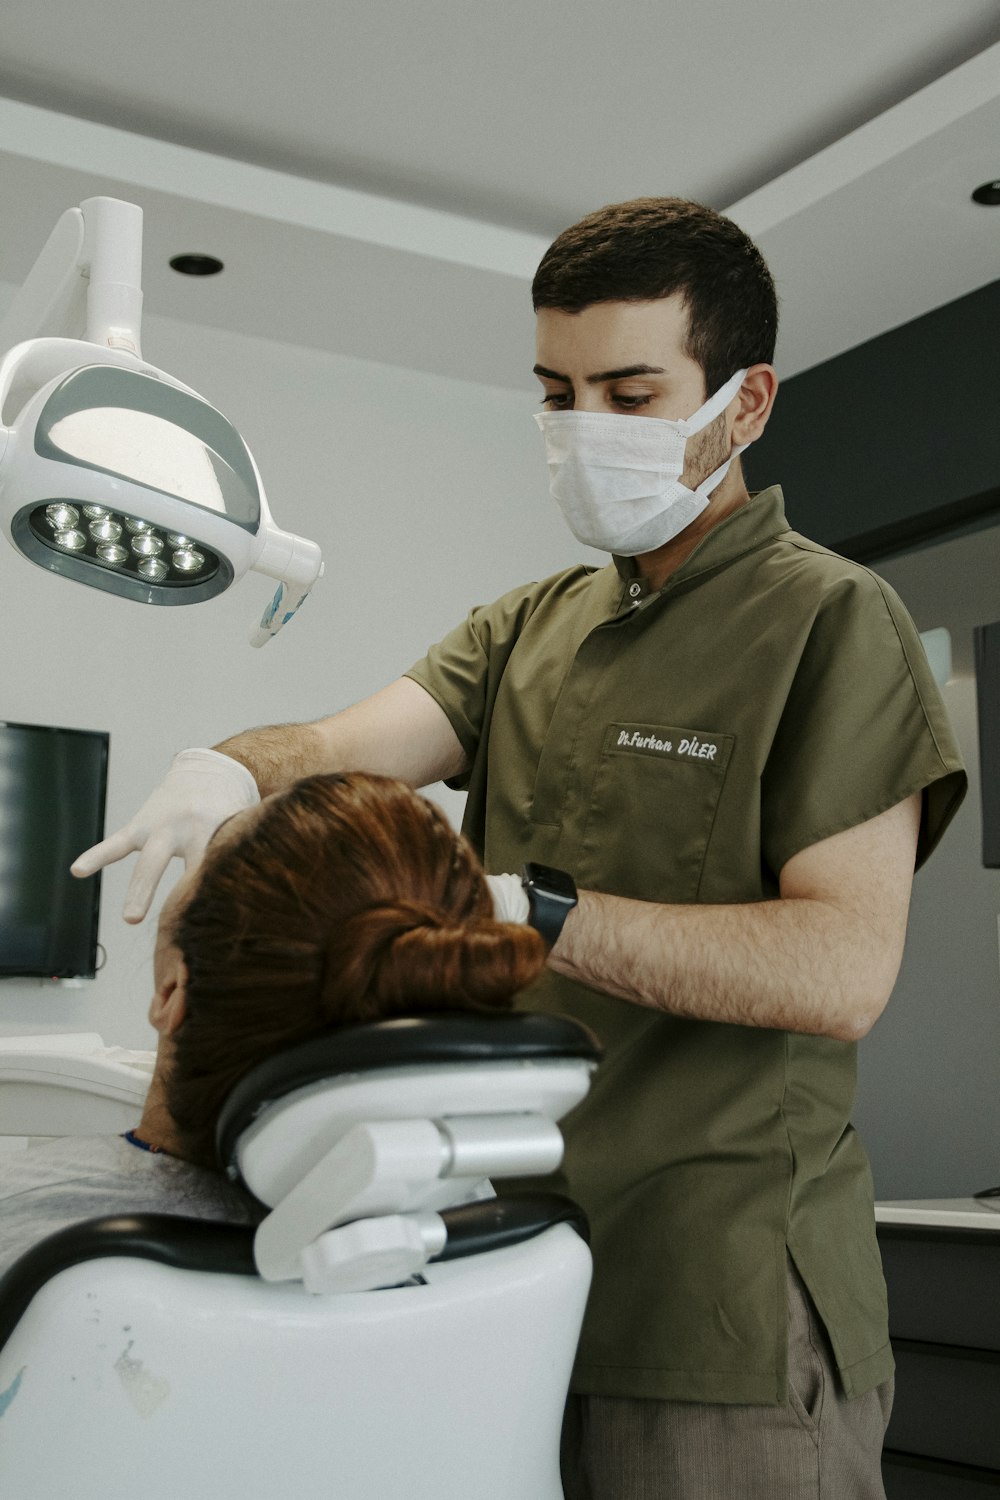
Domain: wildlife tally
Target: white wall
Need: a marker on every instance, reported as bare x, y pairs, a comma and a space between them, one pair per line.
929, 1095
929, 1088
427, 495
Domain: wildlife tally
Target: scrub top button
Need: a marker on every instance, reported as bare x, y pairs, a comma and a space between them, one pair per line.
635, 589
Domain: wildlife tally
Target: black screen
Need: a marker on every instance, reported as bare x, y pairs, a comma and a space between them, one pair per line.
987, 641
52, 794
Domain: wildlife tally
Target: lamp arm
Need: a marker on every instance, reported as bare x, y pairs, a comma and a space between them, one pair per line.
113, 254
86, 281
53, 298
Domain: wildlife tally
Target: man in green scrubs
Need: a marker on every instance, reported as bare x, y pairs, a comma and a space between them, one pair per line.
730, 738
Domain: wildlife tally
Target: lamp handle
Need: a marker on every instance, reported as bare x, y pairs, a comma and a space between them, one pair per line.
297, 563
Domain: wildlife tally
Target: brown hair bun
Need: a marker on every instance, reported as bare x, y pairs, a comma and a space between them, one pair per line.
344, 899
402, 956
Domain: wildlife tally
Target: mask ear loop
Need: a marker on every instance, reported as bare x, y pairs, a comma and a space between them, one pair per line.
713, 408
715, 404
708, 486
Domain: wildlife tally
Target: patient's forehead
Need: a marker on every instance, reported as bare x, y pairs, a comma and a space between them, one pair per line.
180, 894
238, 823
177, 899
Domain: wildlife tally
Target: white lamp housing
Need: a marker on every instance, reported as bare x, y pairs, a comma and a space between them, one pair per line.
112, 472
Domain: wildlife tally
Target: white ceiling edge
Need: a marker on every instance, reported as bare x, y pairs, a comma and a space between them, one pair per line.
431, 291
924, 114
102, 150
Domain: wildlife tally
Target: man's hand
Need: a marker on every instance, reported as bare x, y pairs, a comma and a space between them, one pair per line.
201, 789
399, 731
510, 899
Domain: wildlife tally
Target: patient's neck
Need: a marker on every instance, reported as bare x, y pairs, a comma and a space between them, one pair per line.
157, 1128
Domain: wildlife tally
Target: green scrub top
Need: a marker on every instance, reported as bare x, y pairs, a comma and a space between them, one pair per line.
680, 746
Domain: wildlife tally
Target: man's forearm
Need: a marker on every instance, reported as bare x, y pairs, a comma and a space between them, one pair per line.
399, 731
277, 755
795, 965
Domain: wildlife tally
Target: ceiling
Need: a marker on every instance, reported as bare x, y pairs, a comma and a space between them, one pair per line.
380, 178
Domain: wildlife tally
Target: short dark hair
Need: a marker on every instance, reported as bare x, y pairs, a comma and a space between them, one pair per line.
653, 247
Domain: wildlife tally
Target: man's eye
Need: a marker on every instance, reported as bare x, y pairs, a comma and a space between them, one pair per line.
558, 401
631, 403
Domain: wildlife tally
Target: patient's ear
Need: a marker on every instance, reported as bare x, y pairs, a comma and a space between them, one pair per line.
168, 1006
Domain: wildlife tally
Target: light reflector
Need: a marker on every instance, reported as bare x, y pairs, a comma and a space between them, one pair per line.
152, 555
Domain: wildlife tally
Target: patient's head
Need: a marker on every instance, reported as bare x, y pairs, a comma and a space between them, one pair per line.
348, 898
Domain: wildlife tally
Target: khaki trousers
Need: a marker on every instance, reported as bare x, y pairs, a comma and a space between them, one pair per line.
820, 1446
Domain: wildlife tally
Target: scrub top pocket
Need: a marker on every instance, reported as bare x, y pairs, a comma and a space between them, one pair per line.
653, 805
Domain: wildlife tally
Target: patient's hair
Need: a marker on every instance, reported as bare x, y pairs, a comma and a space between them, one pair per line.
653, 247
350, 899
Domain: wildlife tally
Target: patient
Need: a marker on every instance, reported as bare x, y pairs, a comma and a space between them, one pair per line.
346, 899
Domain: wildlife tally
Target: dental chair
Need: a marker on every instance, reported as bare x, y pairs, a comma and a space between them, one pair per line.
390, 1328
69, 1084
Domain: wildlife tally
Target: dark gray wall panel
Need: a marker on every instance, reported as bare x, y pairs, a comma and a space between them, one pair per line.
896, 441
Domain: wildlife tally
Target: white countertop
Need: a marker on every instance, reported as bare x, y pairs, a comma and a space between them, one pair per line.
950, 1213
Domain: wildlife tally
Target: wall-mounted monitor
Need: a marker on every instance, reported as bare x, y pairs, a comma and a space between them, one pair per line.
53, 784
987, 642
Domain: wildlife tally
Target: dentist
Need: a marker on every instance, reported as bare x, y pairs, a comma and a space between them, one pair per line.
716, 762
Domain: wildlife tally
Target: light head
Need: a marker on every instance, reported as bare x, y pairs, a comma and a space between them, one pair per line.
116, 475
113, 473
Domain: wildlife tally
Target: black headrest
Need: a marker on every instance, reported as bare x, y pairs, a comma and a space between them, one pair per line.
405, 1042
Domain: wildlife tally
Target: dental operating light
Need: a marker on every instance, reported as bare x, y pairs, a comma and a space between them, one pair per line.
112, 472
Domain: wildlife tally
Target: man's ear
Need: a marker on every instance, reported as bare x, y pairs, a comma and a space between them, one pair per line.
168, 1006
757, 393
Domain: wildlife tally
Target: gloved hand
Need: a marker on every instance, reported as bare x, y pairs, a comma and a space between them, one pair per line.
201, 789
510, 899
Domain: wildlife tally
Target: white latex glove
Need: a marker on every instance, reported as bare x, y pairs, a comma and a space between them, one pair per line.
201, 790
510, 899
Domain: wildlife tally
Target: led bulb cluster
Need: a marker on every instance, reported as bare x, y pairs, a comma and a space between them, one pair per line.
123, 543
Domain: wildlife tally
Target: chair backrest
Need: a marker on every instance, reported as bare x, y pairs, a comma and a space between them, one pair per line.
125, 1376
145, 1355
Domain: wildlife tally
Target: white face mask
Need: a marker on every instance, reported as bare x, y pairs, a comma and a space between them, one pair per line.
617, 479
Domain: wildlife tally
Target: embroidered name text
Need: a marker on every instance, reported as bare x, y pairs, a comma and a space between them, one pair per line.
694, 748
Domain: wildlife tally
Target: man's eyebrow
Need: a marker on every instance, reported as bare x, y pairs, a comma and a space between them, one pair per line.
621, 374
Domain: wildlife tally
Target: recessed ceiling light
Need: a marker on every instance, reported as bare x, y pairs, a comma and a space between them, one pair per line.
196, 265
988, 193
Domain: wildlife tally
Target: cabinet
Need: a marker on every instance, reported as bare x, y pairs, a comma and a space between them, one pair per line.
942, 1268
